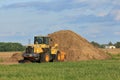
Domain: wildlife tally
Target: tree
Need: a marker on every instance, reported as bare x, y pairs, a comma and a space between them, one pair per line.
102, 46
11, 47
117, 44
95, 44
110, 44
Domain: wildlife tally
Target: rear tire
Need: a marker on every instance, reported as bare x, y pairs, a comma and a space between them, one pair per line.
58, 57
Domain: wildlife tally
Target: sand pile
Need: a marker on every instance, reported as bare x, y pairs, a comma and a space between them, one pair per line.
10, 58
76, 47
14, 58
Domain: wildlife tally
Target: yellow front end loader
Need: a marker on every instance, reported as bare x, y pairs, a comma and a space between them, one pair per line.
41, 51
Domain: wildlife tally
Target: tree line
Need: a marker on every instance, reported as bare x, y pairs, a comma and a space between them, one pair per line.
9, 46
117, 44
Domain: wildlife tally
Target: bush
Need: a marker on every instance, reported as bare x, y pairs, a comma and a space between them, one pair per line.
11, 47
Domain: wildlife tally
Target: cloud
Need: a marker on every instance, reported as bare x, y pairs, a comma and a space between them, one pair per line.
92, 19
67, 8
59, 5
46, 5
79, 1
116, 13
117, 33
8, 34
29, 23
116, 2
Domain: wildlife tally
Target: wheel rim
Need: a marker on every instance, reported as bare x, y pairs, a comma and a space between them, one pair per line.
58, 57
47, 58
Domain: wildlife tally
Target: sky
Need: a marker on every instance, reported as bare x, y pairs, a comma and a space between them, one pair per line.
95, 20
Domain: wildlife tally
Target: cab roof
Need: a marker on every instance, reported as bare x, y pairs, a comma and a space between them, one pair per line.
41, 36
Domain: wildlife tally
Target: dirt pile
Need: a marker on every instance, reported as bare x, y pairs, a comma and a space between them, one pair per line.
76, 47
10, 57
16, 57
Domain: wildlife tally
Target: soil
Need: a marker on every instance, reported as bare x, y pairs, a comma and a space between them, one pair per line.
112, 51
76, 47
8, 58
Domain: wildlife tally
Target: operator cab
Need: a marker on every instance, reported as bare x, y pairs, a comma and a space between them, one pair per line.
41, 40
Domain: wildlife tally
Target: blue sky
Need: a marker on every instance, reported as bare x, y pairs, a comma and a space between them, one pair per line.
95, 20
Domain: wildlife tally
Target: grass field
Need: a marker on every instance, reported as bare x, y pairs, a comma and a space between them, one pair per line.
84, 70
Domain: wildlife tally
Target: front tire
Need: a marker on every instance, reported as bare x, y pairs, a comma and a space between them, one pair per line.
45, 57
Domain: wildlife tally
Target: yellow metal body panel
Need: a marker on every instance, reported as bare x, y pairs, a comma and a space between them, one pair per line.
54, 49
38, 48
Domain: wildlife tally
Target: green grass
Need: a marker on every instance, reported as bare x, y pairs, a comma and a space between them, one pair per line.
84, 70
114, 56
